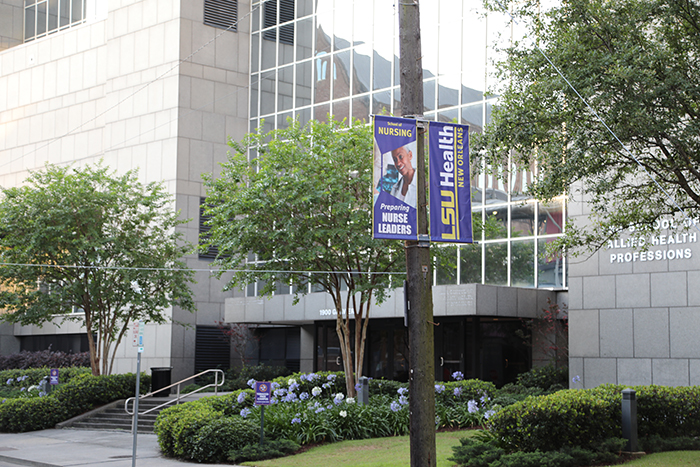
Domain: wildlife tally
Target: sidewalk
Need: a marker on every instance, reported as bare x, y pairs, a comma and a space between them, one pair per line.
64, 448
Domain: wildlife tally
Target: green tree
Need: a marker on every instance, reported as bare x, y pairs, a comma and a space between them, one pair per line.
303, 206
637, 64
83, 239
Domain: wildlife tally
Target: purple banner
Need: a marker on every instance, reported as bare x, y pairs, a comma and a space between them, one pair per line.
395, 178
450, 193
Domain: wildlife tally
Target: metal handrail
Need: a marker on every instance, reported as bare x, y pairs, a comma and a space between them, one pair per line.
216, 384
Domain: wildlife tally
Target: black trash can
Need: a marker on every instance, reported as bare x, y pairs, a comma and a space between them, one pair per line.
160, 378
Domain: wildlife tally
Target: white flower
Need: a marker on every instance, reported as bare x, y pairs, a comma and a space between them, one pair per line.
291, 381
343, 413
340, 396
350, 400
316, 391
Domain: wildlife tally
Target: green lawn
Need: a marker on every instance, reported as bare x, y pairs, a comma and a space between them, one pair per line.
394, 452
377, 452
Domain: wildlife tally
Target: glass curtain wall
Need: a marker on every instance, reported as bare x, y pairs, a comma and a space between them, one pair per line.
339, 59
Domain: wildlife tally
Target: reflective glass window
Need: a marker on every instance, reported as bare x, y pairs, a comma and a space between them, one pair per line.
522, 219
470, 264
550, 267
305, 29
362, 29
303, 115
267, 94
429, 95
381, 102
342, 26
446, 271
269, 53
472, 115
285, 88
341, 110
382, 72
550, 219
360, 108
323, 76
361, 69
283, 120
254, 88
303, 84
321, 112
341, 74
522, 267
496, 263
496, 222
255, 53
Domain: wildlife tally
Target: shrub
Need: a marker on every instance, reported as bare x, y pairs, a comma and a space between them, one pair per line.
238, 379
82, 393
217, 437
44, 359
656, 443
545, 377
12, 381
86, 391
268, 450
476, 453
40, 413
566, 418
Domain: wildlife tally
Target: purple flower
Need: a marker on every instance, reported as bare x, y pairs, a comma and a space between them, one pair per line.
439, 388
403, 400
294, 386
331, 377
251, 383
241, 397
320, 409
484, 399
489, 414
402, 391
10, 381
280, 392
395, 406
575, 379
296, 419
358, 386
291, 397
458, 375
245, 412
472, 406
458, 391
326, 385
303, 396
275, 385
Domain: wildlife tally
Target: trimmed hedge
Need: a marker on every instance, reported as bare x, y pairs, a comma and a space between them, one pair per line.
588, 417
196, 431
82, 393
44, 359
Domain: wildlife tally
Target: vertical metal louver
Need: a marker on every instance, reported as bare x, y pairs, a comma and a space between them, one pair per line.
221, 13
212, 349
213, 250
286, 15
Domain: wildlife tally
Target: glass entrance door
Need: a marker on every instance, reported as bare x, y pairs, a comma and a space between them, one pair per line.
449, 349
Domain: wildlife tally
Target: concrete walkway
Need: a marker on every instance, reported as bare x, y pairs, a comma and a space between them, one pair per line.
64, 448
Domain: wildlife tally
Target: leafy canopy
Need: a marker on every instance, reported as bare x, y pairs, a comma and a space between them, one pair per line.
637, 63
302, 207
83, 239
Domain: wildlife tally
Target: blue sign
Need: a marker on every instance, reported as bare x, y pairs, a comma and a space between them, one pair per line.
450, 194
395, 178
53, 376
263, 393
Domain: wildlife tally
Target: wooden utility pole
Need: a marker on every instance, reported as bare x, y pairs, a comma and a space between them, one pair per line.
419, 273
